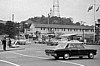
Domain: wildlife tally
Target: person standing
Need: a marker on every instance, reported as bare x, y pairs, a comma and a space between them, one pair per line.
9, 43
4, 44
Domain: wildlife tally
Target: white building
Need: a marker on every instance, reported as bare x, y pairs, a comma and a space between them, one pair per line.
86, 31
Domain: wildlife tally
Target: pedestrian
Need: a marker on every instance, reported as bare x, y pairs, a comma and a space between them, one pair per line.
9, 43
4, 43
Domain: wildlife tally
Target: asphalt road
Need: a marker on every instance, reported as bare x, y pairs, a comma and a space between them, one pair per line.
33, 55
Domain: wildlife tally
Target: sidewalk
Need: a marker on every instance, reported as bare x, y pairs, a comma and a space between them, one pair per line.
21, 47
11, 49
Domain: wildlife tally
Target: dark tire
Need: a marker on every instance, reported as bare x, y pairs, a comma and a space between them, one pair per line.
66, 56
17, 43
91, 55
80, 57
56, 57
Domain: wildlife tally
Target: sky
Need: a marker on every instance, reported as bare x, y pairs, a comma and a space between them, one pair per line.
24, 9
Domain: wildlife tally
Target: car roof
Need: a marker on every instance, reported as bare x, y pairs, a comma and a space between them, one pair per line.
75, 41
71, 41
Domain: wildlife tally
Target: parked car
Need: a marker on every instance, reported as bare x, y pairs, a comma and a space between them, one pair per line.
69, 49
21, 42
52, 42
13, 44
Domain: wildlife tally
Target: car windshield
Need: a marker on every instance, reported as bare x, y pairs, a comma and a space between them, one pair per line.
77, 45
61, 46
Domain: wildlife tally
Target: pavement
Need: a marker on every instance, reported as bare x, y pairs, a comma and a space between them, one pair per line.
34, 55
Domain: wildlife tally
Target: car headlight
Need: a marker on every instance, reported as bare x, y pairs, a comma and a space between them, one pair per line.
55, 54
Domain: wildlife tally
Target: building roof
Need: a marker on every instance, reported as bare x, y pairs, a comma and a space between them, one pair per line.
62, 26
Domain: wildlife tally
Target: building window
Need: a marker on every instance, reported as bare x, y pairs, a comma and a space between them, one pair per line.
68, 29
80, 30
64, 29
41, 28
92, 30
74, 29
86, 30
48, 29
55, 29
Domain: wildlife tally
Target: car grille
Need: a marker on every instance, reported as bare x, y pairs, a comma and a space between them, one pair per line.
49, 51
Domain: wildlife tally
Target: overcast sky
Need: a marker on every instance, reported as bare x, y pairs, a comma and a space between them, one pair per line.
24, 9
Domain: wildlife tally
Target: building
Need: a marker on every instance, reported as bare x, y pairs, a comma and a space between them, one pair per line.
1, 21
97, 31
83, 31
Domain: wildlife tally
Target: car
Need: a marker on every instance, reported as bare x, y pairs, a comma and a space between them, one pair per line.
21, 42
67, 49
52, 42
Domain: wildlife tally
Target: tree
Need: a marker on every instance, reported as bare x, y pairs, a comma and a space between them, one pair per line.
2, 26
11, 29
77, 23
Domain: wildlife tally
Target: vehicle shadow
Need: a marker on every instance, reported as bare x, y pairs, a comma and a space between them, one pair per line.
53, 59
1, 50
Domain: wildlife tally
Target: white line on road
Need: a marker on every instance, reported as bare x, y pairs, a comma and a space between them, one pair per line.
29, 55
72, 63
9, 63
47, 58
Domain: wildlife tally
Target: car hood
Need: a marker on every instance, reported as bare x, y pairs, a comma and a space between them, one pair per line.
51, 48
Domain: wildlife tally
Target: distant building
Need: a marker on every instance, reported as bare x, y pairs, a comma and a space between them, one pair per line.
84, 31
97, 31
1, 21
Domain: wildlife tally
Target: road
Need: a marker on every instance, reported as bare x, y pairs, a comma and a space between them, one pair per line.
33, 55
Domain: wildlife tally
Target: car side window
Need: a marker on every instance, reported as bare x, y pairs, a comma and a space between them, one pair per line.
79, 46
71, 46
67, 46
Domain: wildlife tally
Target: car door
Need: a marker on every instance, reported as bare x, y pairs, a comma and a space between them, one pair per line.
81, 49
73, 50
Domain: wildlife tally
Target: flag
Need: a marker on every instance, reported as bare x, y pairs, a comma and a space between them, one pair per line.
97, 9
91, 7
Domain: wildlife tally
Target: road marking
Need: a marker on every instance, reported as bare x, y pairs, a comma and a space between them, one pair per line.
47, 58
9, 63
29, 55
72, 63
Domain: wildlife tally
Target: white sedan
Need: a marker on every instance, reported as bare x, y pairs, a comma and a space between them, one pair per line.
20, 42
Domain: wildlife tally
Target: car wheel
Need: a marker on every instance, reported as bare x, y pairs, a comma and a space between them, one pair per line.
80, 57
66, 56
17, 43
91, 55
56, 57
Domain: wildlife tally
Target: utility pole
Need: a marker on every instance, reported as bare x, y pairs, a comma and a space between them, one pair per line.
94, 19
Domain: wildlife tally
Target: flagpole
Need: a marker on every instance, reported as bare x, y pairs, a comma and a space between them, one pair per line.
94, 19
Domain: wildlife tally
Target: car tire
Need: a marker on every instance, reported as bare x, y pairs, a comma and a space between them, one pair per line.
80, 57
91, 55
56, 57
17, 43
66, 56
